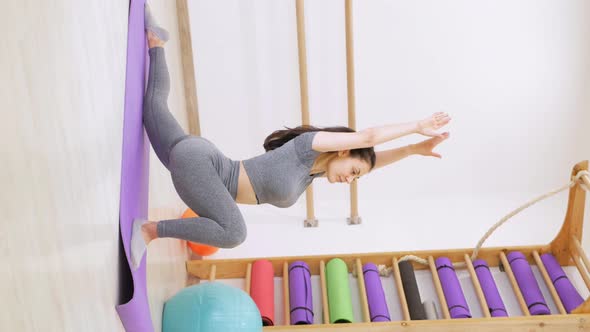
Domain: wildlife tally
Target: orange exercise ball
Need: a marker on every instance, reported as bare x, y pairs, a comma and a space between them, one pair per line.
198, 248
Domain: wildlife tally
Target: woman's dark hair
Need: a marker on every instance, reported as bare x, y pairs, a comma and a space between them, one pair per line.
280, 137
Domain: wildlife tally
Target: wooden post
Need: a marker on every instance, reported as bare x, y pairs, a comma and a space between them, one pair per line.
311, 220
188, 67
360, 277
354, 210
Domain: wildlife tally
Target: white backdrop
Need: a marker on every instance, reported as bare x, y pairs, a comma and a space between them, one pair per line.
513, 76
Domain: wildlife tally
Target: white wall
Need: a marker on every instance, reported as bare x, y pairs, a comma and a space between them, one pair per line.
512, 75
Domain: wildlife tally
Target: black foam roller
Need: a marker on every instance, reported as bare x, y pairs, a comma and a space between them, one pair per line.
415, 306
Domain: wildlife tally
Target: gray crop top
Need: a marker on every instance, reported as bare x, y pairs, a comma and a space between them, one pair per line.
281, 175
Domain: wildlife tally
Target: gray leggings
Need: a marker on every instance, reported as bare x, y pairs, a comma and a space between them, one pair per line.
195, 165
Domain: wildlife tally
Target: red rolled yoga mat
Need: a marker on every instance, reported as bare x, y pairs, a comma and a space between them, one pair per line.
262, 290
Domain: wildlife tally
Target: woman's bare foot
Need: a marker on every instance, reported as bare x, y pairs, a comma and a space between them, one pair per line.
153, 40
149, 231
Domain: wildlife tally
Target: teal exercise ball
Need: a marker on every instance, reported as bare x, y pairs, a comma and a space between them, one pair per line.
211, 307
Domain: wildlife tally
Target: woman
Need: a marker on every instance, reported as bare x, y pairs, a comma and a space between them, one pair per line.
211, 184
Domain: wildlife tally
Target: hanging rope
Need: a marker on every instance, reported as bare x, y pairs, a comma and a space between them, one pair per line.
385, 271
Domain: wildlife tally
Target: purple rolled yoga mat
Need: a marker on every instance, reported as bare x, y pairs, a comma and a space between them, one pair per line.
300, 296
528, 284
568, 294
375, 294
456, 302
489, 288
133, 307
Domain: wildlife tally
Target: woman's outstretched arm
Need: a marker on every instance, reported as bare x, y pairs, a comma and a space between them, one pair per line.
328, 141
423, 148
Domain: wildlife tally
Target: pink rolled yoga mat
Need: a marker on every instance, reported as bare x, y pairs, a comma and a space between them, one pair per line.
262, 290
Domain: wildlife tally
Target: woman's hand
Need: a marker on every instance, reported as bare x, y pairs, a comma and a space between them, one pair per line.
436, 121
425, 148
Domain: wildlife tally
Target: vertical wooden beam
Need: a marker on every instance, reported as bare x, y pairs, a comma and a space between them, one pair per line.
325, 304
354, 211
212, 273
477, 286
562, 246
549, 283
188, 67
311, 220
286, 295
360, 277
248, 278
439, 291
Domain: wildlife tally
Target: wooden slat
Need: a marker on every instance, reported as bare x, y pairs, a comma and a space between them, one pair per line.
248, 278
188, 67
236, 268
286, 295
580, 252
212, 273
477, 286
400, 289
360, 277
549, 283
325, 305
581, 270
439, 291
514, 283
551, 323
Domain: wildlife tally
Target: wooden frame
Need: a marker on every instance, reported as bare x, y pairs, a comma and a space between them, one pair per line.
565, 246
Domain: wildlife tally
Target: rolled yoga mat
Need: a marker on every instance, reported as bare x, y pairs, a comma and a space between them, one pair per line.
528, 284
413, 300
339, 299
300, 295
568, 294
375, 294
132, 303
262, 290
489, 288
456, 302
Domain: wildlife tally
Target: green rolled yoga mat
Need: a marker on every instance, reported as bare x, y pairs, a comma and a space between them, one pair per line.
339, 299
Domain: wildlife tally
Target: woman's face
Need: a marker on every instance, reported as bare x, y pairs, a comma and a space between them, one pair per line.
344, 168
